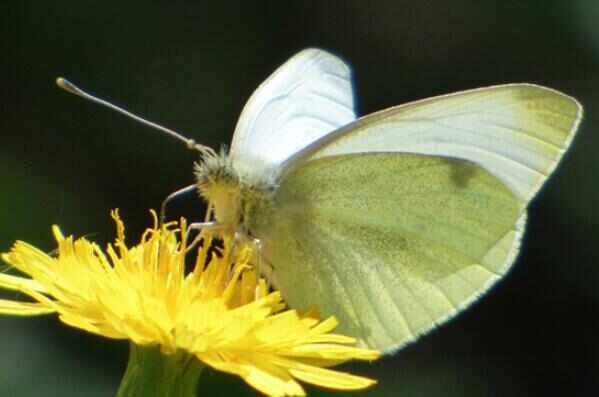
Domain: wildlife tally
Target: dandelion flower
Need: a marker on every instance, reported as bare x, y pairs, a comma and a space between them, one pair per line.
218, 314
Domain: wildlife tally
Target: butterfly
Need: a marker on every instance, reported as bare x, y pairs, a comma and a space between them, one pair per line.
393, 222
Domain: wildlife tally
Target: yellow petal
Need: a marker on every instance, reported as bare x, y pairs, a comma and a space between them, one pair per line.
23, 308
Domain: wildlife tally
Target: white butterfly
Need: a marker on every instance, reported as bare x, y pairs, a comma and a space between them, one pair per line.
398, 220
393, 222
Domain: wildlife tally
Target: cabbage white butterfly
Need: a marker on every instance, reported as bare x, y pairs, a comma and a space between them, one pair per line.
393, 222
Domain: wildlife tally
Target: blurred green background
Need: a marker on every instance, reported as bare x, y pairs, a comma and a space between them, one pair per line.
191, 66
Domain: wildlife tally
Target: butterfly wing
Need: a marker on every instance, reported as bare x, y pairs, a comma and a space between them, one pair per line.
391, 244
516, 131
303, 100
394, 243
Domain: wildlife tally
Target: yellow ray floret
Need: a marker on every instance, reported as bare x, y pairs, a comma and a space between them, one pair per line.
219, 312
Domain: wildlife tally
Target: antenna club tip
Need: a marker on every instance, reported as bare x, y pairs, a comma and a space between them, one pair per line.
66, 85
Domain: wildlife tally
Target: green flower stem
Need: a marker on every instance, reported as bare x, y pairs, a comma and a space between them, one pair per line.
151, 373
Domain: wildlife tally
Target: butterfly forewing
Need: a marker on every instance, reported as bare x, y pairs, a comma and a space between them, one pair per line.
306, 98
516, 131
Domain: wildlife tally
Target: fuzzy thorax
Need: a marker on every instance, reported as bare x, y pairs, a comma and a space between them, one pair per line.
230, 194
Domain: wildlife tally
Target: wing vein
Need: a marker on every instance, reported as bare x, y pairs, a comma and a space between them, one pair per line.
384, 280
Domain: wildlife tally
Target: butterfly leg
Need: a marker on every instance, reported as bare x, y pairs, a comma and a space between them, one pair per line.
238, 239
258, 249
172, 196
199, 226
264, 268
241, 237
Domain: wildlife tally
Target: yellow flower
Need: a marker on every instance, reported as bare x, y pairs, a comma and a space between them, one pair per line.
220, 313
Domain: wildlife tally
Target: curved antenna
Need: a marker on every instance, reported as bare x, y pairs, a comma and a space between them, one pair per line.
190, 143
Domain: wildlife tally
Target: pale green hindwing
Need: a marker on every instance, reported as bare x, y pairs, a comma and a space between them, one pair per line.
390, 243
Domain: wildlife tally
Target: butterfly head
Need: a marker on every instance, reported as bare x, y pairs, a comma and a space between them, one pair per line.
220, 186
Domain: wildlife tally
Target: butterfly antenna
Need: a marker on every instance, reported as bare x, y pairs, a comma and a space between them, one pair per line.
190, 143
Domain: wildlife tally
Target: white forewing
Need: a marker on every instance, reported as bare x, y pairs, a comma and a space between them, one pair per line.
303, 100
518, 132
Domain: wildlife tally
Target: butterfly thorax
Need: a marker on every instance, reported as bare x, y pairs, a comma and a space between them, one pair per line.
231, 194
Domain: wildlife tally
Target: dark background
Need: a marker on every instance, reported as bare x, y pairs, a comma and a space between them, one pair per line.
191, 67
